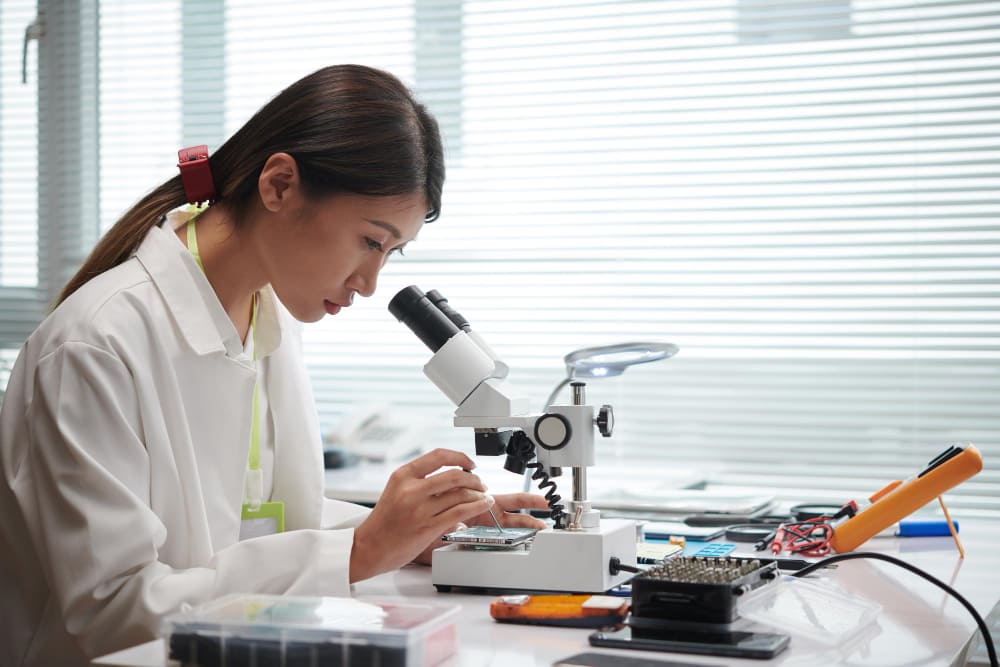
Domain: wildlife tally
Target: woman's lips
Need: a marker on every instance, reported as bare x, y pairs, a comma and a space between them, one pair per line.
331, 307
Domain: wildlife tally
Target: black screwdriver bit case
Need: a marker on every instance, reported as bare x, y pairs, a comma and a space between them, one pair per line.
707, 592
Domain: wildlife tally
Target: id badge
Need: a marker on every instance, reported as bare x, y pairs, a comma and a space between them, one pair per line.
268, 519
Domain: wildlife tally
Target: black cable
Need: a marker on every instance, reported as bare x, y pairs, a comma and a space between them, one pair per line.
615, 565
557, 509
990, 649
520, 449
723, 520
806, 511
749, 532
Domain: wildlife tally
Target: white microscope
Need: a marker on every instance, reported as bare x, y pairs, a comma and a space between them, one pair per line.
581, 553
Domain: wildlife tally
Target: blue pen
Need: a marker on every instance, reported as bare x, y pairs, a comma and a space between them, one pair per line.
919, 528
924, 528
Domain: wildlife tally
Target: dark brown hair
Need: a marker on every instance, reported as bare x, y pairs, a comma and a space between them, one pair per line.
351, 129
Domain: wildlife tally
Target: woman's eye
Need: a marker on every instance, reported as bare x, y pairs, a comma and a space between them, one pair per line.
377, 245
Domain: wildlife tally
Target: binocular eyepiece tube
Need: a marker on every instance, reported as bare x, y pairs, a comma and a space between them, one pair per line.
428, 315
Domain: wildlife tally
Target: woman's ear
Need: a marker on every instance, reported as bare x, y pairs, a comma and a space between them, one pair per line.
279, 182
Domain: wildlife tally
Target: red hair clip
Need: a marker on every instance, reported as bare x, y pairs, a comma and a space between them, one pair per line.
196, 174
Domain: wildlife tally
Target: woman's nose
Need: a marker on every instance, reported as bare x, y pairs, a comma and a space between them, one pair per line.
365, 278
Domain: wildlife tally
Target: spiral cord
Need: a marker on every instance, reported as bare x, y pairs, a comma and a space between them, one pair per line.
520, 449
553, 498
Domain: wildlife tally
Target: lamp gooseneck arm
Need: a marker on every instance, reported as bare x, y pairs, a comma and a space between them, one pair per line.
555, 392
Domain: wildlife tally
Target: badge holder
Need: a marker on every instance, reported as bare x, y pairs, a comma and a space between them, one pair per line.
269, 518
259, 518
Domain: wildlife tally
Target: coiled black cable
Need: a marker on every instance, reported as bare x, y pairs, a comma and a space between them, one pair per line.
520, 449
553, 498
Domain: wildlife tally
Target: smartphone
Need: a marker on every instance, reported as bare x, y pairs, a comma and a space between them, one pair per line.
608, 660
761, 645
489, 535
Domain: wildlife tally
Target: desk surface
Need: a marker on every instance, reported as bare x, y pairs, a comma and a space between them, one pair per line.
919, 623
647, 489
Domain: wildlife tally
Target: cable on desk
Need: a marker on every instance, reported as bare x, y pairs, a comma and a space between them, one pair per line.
990, 649
615, 565
750, 532
808, 538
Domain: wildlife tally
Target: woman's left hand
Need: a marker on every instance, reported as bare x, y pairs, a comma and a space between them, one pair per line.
506, 510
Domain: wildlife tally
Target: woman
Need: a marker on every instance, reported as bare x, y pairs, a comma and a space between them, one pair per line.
158, 427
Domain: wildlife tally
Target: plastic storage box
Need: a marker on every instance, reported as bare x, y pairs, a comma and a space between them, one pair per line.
815, 609
257, 630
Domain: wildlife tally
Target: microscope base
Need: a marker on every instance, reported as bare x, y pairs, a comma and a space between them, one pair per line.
557, 560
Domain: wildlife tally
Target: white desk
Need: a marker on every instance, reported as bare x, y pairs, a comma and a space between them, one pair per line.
919, 624
652, 489
363, 483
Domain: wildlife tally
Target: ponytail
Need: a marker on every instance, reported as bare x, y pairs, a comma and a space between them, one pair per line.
350, 129
125, 237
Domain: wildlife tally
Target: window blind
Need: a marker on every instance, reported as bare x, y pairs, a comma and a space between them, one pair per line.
141, 62
18, 148
802, 195
18, 178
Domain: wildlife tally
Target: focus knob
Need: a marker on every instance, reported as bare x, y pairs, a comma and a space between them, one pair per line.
552, 431
606, 420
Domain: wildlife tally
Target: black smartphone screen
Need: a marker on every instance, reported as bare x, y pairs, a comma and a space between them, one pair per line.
761, 645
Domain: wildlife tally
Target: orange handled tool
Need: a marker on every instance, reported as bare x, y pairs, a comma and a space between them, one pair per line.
582, 611
954, 465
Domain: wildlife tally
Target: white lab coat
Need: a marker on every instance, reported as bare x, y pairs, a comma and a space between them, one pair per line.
123, 445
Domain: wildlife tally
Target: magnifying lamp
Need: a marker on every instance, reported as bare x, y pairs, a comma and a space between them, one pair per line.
606, 361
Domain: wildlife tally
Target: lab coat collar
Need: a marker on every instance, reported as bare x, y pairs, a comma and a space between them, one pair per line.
192, 301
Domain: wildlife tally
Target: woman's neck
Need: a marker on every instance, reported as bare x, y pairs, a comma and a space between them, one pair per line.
231, 264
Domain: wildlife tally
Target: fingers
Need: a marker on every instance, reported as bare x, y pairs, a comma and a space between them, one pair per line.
426, 556
456, 497
505, 506
510, 502
465, 511
453, 479
521, 521
434, 459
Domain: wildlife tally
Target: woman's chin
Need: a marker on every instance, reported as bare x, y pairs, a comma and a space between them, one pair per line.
306, 315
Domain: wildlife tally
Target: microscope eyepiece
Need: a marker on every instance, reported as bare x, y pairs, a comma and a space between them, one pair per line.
412, 307
438, 300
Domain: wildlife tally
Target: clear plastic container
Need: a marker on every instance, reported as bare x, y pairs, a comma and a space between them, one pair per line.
814, 609
252, 630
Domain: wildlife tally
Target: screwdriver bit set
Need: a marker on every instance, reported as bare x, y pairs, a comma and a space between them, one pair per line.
695, 589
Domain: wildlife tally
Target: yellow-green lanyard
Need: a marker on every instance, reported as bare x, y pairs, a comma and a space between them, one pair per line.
255, 494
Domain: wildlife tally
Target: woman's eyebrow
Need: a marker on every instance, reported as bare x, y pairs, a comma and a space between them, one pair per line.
386, 226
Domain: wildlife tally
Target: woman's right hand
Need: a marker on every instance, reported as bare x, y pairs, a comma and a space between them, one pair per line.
415, 508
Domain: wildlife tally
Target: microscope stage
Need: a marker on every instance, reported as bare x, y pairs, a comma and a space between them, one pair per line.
555, 561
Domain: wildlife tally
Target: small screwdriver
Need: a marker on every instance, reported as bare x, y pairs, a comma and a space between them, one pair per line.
490, 510
495, 522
